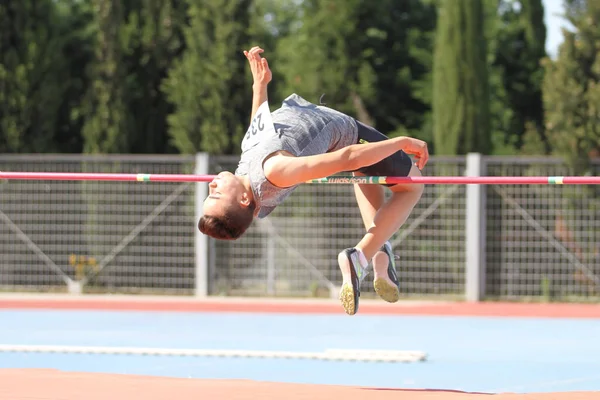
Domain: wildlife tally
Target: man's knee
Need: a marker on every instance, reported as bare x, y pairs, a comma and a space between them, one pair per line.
416, 188
419, 189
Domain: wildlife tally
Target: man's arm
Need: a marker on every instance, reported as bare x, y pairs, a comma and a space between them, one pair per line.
259, 96
261, 73
285, 171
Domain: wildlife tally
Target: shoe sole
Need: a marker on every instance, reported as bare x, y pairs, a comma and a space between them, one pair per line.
349, 293
386, 291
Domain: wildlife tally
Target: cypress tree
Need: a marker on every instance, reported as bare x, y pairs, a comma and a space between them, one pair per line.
460, 80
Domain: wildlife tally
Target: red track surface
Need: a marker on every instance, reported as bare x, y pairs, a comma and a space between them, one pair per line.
222, 305
56, 385
37, 384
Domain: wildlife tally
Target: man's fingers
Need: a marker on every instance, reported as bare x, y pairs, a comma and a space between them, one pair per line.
423, 161
253, 54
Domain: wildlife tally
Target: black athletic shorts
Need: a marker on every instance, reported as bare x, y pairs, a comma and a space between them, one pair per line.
398, 164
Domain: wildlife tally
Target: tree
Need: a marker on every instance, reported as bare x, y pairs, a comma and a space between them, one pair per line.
153, 33
76, 29
209, 85
400, 56
520, 38
272, 21
572, 88
370, 59
137, 43
460, 80
106, 119
34, 76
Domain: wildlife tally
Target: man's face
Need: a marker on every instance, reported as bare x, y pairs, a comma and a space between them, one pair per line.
223, 191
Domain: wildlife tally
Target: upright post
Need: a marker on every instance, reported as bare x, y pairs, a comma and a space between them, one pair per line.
201, 241
270, 265
475, 232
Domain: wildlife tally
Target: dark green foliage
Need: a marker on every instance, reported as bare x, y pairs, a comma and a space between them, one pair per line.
154, 39
136, 43
209, 84
169, 76
368, 58
520, 37
106, 118
77, 30
271, 22
43, 53
572, 88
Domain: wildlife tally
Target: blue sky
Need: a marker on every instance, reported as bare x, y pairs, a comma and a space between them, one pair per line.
554, 24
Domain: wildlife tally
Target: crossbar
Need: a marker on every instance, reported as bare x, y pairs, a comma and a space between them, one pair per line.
363, 180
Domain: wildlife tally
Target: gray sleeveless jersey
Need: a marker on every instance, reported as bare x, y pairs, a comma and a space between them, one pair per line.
301, 128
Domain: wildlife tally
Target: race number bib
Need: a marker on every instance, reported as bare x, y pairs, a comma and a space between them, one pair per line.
261, 126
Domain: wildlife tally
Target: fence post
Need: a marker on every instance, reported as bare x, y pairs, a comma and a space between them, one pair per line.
270, 265
201, 241
475, 231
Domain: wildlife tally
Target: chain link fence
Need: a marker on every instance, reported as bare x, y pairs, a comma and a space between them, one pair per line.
542, 242
109, 236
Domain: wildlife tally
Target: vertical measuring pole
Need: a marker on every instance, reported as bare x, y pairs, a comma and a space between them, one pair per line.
475, 232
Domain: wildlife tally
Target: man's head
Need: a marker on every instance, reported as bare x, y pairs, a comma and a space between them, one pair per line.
228, 209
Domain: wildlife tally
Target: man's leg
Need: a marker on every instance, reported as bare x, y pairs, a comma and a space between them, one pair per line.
391, 216
370, 199
381, 221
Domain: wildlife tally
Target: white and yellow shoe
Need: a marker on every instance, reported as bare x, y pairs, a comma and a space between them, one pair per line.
352, 274
385, 280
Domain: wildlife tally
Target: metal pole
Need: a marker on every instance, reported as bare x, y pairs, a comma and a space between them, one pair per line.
201, 241
475, 233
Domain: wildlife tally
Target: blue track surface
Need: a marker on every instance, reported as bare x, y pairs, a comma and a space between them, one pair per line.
472, 354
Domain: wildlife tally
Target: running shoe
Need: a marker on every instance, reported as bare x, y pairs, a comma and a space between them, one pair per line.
352, 274
386, 282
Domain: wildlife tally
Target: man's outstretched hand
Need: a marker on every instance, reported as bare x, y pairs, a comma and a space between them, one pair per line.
259, 66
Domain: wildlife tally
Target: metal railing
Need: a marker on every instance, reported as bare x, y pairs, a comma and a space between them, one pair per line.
511, 242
